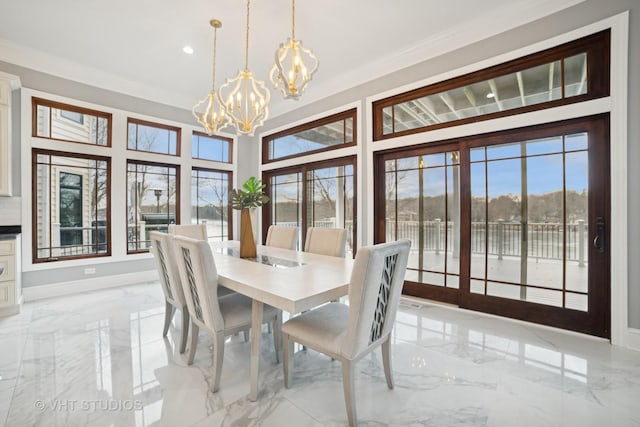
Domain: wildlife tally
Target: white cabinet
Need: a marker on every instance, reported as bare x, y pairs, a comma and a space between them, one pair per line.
8, 82
10, 276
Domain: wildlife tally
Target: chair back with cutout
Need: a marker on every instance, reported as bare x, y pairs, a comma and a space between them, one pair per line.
374, 294
326, 241
282, 237
162, 250
194, 231
199, 278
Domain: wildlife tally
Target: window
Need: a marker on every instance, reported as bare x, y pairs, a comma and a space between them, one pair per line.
71, 206
214, 148
314, 195
153, 201
153, 137
336, 131
73, 116
569, 73
70, 209
63, 122
210, 201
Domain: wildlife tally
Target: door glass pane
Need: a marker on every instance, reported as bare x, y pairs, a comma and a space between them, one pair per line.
286, 196
210, 201
331, 201
423, 205
391, 196
578, 240
504, 220
536, 225
478, 220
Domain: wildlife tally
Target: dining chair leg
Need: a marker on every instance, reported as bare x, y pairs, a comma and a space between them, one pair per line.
193, 344
168, 315
287, 359
218, 356
349, 395
386, 361
246, 335
185, 330
277, 334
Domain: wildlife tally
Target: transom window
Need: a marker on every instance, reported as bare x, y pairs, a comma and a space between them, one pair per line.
72, 199
152, 201
153, 137
328, 133
216, 148
63, 122
557, 76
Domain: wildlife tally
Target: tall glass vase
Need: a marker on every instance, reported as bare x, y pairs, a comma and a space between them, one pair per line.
247, 240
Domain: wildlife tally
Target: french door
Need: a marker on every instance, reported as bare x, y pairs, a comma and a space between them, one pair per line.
513, 223
321, 194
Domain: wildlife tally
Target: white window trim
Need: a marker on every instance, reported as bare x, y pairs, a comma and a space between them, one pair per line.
119, 155
615, 104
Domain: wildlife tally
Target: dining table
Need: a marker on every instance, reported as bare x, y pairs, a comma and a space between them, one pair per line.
292, 281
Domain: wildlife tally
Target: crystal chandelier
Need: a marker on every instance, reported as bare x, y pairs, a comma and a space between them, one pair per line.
295, 64
213, 118
246, 100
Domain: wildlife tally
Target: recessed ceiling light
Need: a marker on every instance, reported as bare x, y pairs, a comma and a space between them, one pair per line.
490, 95
188, 50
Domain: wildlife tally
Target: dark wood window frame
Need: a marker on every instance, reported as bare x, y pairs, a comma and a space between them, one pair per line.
547, 315
596, 45
178, 131
162, 165
223, 138
351, 113
35, 102
229, 209
303, 169
34, 212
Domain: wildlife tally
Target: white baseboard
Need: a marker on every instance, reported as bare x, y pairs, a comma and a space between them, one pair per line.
34, 293
634, 339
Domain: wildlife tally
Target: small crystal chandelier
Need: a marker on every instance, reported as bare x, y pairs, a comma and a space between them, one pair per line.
214, 117
246, 100
295, 64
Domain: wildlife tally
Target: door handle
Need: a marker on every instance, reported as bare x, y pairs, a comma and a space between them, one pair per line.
599, 240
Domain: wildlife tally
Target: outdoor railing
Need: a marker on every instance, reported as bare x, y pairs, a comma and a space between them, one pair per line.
499, 238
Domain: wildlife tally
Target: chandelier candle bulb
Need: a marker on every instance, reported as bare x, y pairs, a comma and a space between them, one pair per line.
252, 109
294, 64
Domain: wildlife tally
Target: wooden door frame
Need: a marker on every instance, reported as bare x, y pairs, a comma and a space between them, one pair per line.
597, 320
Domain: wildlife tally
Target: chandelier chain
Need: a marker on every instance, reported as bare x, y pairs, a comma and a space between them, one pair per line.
293, 20
246, 45
213, 73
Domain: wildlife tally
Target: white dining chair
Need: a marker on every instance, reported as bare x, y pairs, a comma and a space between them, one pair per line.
349, 332
161, 248
194, 231
282, 237
218, 317
326, 241
198, 232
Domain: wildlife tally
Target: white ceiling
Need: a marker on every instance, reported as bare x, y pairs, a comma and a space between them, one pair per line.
135, 46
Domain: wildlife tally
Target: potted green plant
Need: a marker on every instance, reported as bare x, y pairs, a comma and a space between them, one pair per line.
250, 196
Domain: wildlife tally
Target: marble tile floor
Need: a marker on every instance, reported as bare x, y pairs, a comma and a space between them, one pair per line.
99, 359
